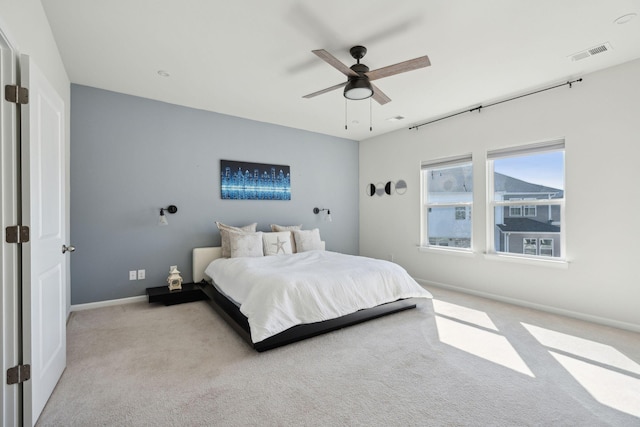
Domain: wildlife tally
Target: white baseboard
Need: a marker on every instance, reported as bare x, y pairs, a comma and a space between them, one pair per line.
547, 308
91, 305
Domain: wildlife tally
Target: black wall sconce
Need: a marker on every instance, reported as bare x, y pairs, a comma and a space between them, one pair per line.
327, 216
163, 219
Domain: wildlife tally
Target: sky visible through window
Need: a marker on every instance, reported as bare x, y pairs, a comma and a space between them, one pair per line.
544, 169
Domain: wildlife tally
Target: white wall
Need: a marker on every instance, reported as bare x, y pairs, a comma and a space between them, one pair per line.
27, 28
599, 120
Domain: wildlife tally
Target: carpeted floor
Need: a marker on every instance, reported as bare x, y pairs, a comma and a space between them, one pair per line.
457, 360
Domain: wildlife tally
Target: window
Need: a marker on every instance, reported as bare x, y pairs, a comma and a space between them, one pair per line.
447, 194
546, 247
529, 210
515, 210
521, 210
534, 175
530, 246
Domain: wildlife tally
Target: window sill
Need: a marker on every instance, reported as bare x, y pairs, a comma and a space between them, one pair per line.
562, 264
447, 251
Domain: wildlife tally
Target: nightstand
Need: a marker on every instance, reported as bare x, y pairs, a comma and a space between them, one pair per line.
189, 292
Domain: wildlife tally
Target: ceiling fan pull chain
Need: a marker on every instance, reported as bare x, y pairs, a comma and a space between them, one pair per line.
345, 114
370, 116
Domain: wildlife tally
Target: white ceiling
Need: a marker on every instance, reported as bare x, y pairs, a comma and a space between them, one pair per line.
252, 58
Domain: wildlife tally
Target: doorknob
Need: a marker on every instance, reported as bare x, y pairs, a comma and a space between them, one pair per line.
69, 248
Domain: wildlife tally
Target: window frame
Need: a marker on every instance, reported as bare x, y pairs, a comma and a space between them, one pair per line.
427, 207
492, 204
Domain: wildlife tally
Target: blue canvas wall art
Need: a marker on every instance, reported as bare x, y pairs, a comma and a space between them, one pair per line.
254, 181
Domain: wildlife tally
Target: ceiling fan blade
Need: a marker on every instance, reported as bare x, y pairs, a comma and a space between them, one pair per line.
334, 62
401, 67
379, 96
329, 89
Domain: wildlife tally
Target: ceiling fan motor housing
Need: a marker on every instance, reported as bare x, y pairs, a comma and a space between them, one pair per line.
358, 87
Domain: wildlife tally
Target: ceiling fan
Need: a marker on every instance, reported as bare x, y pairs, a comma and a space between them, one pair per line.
358, 84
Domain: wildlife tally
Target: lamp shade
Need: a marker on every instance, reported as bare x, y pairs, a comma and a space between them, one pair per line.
358, 88
163, 218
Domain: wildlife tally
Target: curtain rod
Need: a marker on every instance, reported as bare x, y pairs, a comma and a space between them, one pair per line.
479, 108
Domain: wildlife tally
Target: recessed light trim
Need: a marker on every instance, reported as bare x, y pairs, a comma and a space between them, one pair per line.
163, 73
625, 18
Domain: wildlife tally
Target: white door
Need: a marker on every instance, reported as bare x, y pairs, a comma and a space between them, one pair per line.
9, 252
43, 262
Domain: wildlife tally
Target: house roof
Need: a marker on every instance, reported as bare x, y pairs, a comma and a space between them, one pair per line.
253, 59
508, 184
527, 225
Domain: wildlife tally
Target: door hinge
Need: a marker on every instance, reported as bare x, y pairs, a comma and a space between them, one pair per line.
17, 234
18, 374
16, 94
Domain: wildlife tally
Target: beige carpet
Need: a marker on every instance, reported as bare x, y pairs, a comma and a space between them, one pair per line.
455, 361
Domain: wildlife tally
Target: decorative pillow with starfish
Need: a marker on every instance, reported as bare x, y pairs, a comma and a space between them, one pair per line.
278, 243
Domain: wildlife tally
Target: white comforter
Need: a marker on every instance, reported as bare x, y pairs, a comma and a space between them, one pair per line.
278, 292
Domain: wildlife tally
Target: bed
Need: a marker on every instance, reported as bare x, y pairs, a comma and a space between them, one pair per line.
314, 318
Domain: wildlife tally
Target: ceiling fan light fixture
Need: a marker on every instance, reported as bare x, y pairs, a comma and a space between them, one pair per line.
358, 88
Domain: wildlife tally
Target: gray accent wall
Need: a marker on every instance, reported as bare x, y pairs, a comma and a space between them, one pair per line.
130, 156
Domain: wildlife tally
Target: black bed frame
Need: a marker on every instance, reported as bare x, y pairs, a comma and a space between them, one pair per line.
232, 315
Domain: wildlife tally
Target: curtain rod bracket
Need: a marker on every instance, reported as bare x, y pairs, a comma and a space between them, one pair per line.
570, 83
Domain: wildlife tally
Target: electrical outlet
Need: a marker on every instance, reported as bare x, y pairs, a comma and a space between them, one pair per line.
141, 274
133, 275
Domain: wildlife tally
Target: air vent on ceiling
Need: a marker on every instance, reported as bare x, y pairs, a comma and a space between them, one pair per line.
605, 47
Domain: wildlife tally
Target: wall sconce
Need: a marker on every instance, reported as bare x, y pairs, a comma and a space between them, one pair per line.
327, 216
163, 219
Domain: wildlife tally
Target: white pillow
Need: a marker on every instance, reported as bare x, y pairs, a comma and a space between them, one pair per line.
245, 244
224, 235
277, 243
308, 240
290, 228
276, 227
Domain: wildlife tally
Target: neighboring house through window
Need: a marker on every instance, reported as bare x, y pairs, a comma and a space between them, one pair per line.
534, 175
